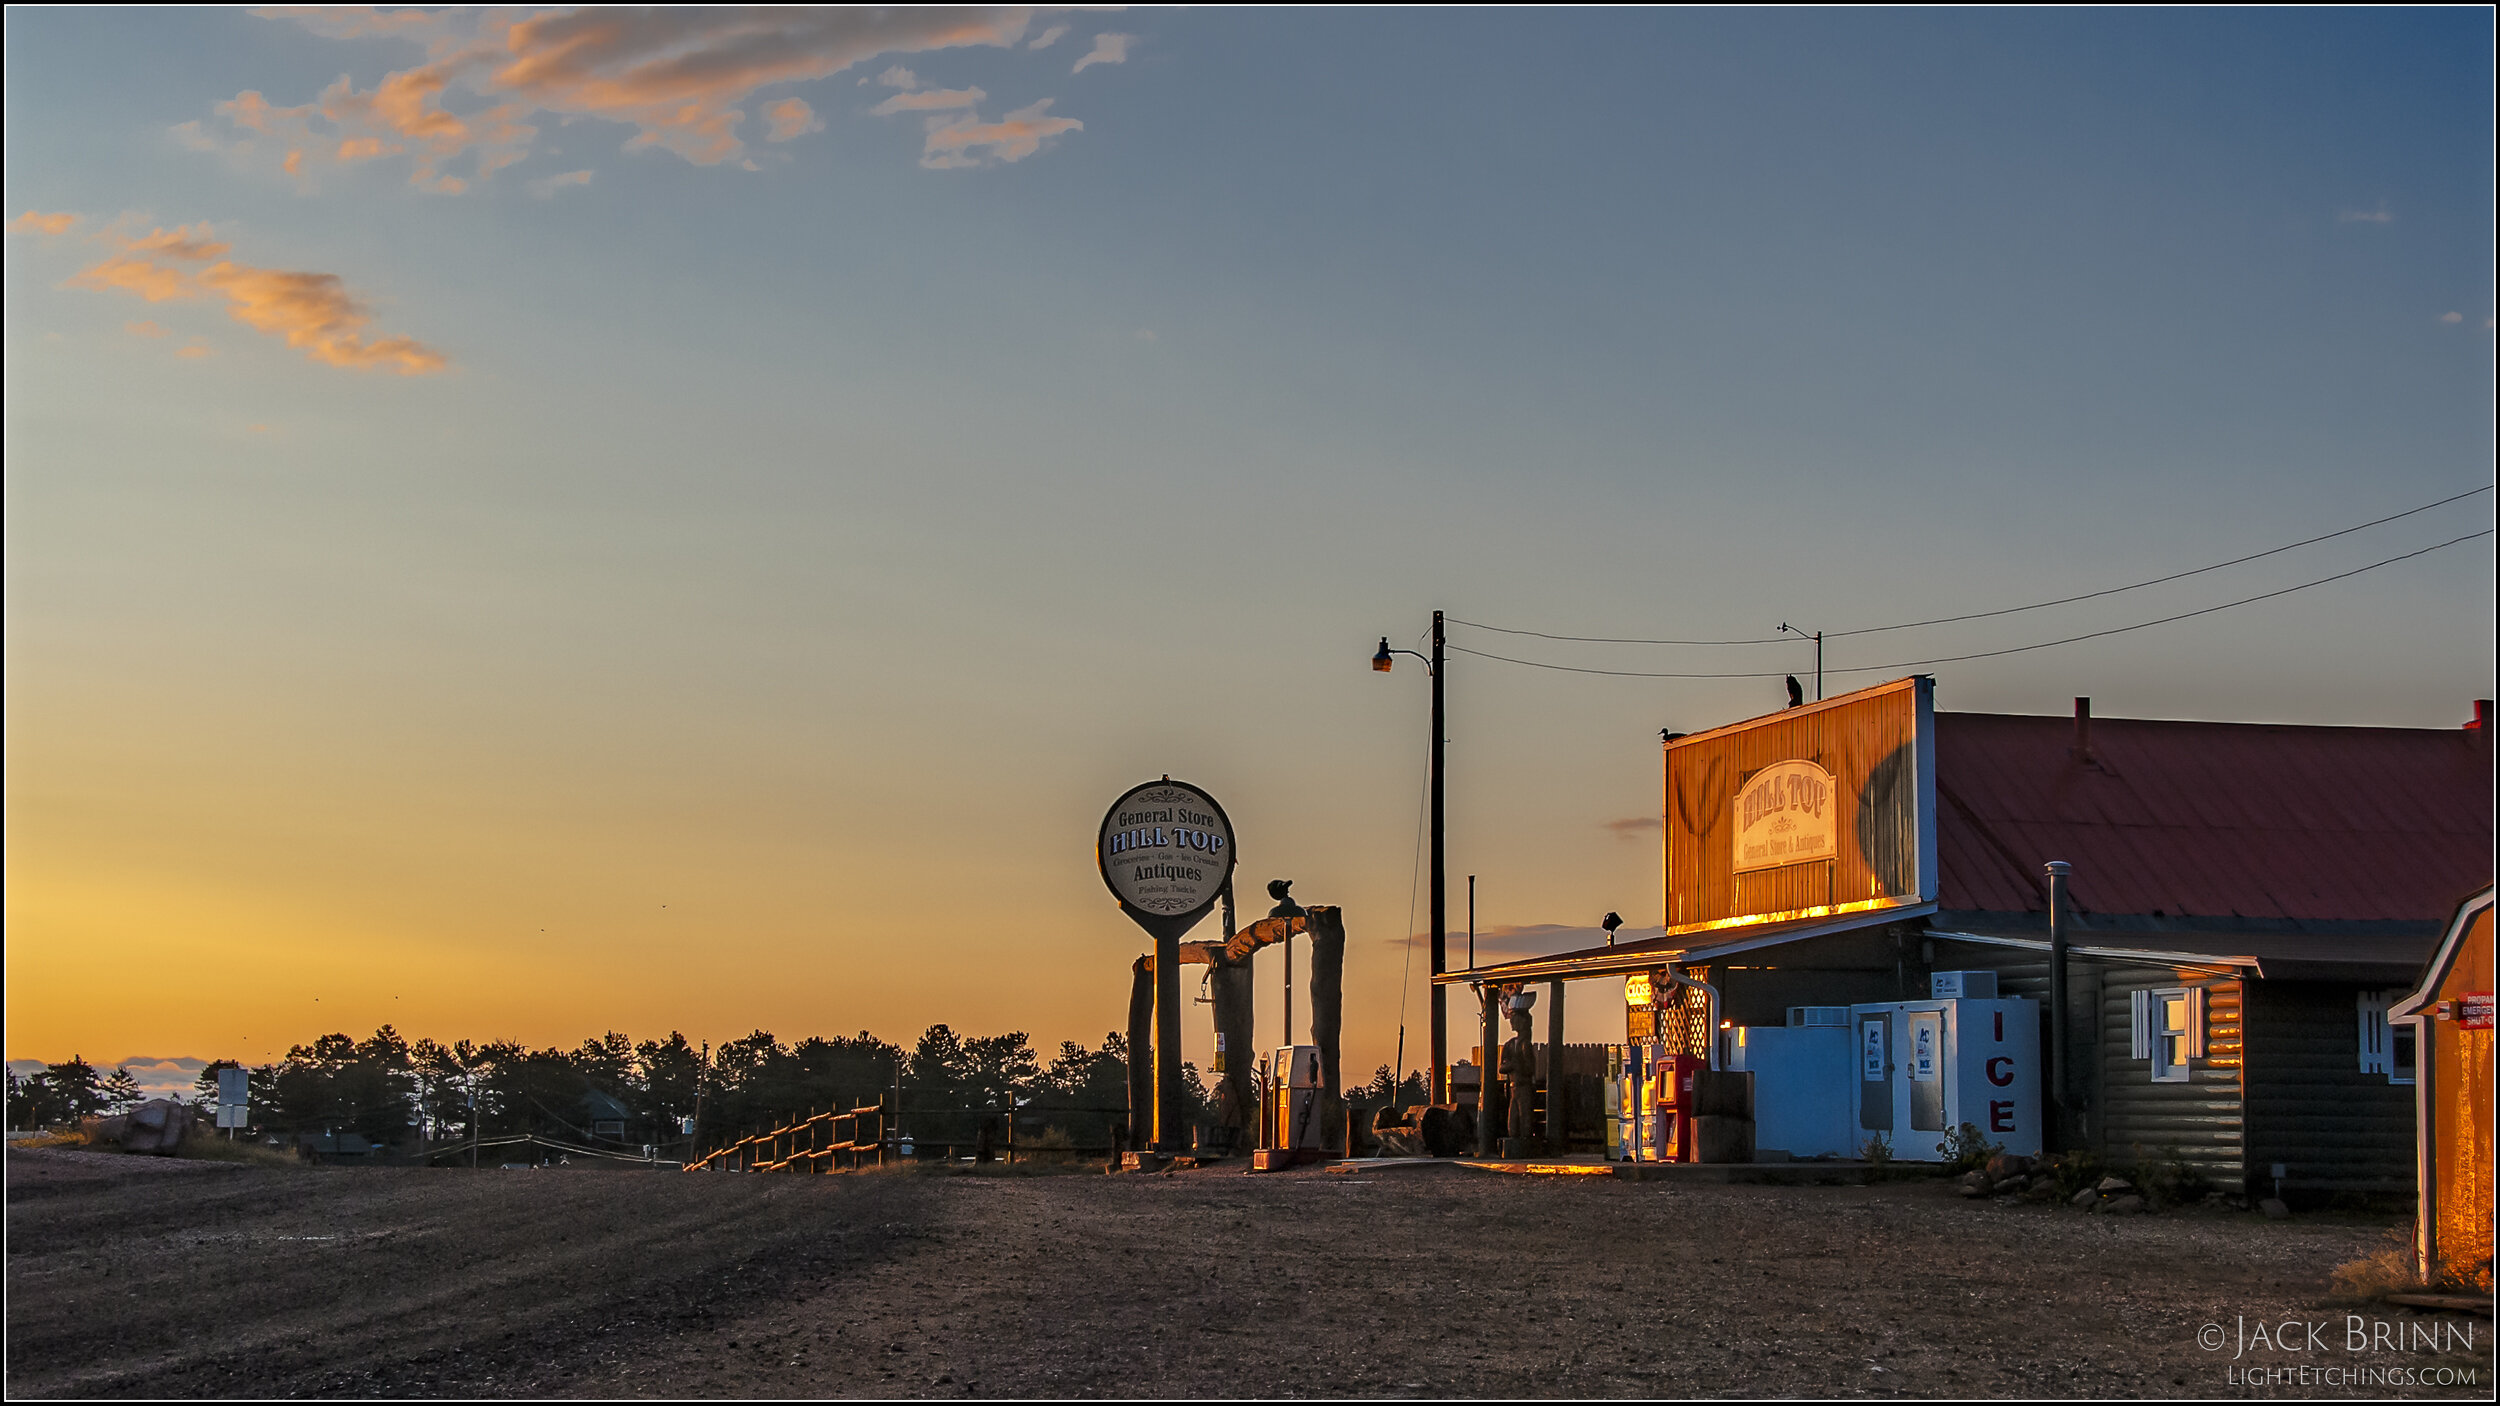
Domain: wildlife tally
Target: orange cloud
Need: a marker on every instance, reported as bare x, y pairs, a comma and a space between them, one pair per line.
789, 119
679, 78
1013, 138
145, 329
152, 281
195, 352
312, 312
36, 222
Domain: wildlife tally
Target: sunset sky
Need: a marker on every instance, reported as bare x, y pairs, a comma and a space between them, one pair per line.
522, 523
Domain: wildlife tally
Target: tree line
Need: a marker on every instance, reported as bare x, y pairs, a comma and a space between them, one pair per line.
619, 1092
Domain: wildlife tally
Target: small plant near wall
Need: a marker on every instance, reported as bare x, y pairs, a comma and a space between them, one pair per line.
2070, 1173
1877, 1152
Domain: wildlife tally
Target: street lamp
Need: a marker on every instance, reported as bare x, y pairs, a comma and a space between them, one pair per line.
1381, 662
1817, 637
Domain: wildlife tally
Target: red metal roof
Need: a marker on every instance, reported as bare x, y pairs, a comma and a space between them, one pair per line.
2249, 820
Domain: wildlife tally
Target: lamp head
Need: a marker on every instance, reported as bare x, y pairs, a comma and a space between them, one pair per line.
1381, 660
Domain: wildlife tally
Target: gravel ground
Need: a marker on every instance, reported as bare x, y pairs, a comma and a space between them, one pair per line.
244, 1281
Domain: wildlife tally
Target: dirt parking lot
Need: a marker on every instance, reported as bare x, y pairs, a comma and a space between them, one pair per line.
247, 1281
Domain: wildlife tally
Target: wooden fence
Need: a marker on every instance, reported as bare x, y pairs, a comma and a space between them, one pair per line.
872, 1136
819, 1142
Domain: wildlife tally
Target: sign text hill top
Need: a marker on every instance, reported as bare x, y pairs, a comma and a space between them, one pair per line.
1166, 851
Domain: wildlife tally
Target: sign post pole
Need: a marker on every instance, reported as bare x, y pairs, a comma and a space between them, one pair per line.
1170, 1140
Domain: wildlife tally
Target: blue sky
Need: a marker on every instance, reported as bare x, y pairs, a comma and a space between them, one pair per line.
816, 548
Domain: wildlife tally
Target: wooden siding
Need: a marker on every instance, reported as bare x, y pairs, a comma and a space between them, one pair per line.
2202, 1121
1869, 742
2310, 1107
2127, 1117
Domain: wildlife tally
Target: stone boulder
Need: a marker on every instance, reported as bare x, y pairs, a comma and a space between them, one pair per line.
2006, 1166
157, 1126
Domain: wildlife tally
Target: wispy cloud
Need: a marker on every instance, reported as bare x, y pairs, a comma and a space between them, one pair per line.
1632, 827
37, 222
548, 185
677, 78
145, 329
971, 142
2378, 216
2452, 318
930, 100
1049, 37
1108, 48
312, 312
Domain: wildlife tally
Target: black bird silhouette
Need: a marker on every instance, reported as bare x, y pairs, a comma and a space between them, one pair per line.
1796, 692
1282, 891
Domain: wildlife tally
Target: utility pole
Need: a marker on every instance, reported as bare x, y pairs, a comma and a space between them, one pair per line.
1440, 894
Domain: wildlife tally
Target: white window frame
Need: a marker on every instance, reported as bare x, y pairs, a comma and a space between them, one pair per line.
2378, 1038
2171, 1050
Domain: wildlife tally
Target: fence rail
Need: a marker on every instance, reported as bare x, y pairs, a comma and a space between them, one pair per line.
819, 1142
822, 1143
570, 1149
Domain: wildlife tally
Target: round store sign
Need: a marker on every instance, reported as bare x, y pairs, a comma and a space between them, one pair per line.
1166, 851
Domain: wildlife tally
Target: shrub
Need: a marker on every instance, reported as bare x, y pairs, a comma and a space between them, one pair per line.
2171, 1181
2071, 1172
2386, 1270
1877, 1152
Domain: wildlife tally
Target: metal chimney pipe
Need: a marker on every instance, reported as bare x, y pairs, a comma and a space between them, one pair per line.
2083, 730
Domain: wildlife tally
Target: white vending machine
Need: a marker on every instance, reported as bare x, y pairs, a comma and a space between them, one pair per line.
1923, 1068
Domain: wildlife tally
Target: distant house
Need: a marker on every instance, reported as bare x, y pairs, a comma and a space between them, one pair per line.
2247, 901
607, 1115
336, 1147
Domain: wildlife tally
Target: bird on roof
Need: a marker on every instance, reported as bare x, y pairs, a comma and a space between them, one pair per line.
1796, 692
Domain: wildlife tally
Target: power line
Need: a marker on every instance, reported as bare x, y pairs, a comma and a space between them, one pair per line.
1989, 653
1975, 615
